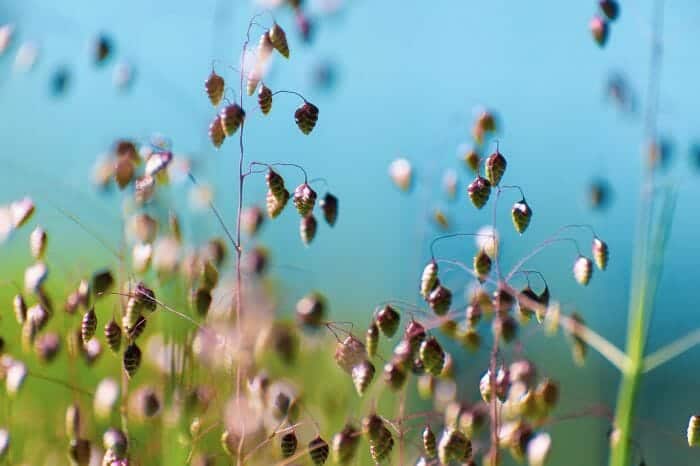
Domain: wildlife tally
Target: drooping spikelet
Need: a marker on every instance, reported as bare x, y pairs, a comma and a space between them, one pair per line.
37, 242
429, 442
278, 38
288, 444
311, 309
599, 30
600, 253
216, 131
521, 214
201, 301
306, 117
307, 229
454, 445
265, 99
329, 206
440, 299
495, 167
362, 376
610, 8
113, 335
304, 199
432, 356
232, 117
318, 451
132, 359
88, 325
73, 421
276, 203
378, 436
388, 320
694, 431
394, 375
583, 269
349, 353
479, 191
502, 382
214, 86
372, 338
482, 265
345, 444
428, 280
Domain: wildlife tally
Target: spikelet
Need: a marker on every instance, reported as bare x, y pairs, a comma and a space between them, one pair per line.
414, 334
265, 99
583, 269
454, 445
278, 39
394, 375
20, 308
288, 444
132, 359
113, 335
73, 421
610, 8
304, 199
599, 30
694, 431
115, 440
432, 356
401, 173
372, 339
501, 386
482, 265
580, 347
216, 131
102, 281
349, 353
123, 171
472, 160
318, 451
276, 203
521, 214
362, 376
495, 167
201, 301
307, 229
526, 295
214, 86
232, 117
440, 300
345, 444
306, 117
329, 206
600, 253
135, 331
251, 220
311, 310
88, 325
47, 346
79, 452
388, 320
429, 442
479, 191
37, 242
429, 279
275, 182
378, 436
505, 326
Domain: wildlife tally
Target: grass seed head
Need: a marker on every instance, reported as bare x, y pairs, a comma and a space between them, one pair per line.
495, 167
394, 375
401, 173
472, 160
265, 99
429, 279
479, 191
20, 308
132, 359
232, 117
501, 386
432, 356
73, 421
388, 320
600, 253
521, 214
102, 282
362, 376
278, 39
88, 325
79, 452
288, 444
123, 171
482, 265
276, 203
318, 451
429, 442
345, 444
583, 269
307, 229
329, 206
214, 87
694, 431
251, 220
115, 441
372, 338
311, 310
506, 327
113, 335
304, 199
216, 132
610, 8
599, 30
47, 346
440, 299
525, 308
306, 117
349, 353
454, 445
37, 242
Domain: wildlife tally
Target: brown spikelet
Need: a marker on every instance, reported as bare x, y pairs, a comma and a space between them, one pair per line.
306, 117
113, 335
132, 359
216, 132
265, 99
88, 325
232, 117
307, 229
329, 206
288, 444
304, 199
214, 86
318, 451
275, 203
278, 38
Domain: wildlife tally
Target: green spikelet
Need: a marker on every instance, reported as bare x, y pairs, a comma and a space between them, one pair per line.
388, 320
521, 214
495, 167
429, 278
440, 300
232, 117
432, 356
278, 38
482, 265
600, 253
345, 444
372, 338
362, 376
454, 445
479, 191
694, 431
